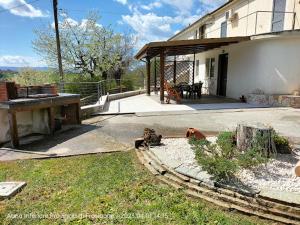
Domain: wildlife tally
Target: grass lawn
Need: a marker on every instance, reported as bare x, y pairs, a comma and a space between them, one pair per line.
86, 189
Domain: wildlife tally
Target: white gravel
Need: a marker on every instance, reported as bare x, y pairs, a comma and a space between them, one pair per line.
277, 174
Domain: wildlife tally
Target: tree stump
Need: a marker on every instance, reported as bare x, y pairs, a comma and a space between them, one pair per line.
257, 136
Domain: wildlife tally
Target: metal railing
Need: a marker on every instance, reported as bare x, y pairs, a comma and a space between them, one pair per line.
92, 92
258, 22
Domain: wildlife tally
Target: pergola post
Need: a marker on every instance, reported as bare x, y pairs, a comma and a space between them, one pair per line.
155, 76
162, 76
148, 75
174, 72
194, 69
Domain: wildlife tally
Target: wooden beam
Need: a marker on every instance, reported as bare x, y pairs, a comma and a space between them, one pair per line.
148, 64
194, 68
51, 119
155, 76
162, 76
13, 129
174, 72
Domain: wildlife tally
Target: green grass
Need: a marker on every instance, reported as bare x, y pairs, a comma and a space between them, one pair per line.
114, 184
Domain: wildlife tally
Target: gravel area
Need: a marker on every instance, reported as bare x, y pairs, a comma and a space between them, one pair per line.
277, 174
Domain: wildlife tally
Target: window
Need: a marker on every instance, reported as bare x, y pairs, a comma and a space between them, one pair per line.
202, 31
210, 64
227, 15
224, 29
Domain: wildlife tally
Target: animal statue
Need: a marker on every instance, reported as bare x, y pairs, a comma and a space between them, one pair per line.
192, 132
150, 137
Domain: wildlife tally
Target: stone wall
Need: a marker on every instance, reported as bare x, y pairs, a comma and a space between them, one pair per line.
274, 100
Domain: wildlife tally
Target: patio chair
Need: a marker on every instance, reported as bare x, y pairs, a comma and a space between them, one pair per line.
172, 93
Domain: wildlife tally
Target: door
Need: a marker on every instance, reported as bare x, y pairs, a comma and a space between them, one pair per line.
222, 74
278, 15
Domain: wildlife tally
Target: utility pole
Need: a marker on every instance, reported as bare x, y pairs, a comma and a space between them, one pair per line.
61, 72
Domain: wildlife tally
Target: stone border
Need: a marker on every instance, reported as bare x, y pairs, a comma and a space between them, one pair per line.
221, 195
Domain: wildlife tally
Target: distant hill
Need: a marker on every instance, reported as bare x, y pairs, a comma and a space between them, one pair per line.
16, 69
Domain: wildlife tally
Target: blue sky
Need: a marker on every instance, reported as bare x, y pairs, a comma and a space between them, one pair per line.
149, 20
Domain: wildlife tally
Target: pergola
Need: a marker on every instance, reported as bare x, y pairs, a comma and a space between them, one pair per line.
179, 47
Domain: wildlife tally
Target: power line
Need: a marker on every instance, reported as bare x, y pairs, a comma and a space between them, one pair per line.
101, 12
17, 6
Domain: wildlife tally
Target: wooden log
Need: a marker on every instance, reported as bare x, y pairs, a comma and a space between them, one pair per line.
256, 136
297, 169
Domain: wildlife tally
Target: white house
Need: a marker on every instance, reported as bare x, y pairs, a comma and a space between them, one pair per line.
266, 64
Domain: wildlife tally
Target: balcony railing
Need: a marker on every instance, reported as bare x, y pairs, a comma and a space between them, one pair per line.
255, 23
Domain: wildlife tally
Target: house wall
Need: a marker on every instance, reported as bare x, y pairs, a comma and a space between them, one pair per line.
248, 22
28, 123
260, 65
256, 64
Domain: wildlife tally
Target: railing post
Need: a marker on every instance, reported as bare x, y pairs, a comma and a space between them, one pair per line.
256, 22
294, 21
98, 91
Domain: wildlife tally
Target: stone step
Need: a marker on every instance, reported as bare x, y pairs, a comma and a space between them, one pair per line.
228, 198
146, 164
239, 208
154, 163
168, 182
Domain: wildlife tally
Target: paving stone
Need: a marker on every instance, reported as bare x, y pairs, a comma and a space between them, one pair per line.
196, 173
290, 197
9, 189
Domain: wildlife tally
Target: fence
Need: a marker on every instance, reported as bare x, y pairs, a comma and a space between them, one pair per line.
175, 71
92, 92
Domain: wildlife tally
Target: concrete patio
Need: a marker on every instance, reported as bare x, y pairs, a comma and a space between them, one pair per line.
144, 103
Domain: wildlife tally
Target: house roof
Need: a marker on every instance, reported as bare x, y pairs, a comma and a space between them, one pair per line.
203, 17
185, 47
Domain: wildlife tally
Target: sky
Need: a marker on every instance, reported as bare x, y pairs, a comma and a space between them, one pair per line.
148, 20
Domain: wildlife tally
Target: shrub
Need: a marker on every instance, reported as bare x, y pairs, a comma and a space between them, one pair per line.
282, 144
223, 159
251, 158
214, 162
226, 143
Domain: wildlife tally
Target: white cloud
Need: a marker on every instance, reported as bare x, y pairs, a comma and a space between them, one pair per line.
123, 2
149, 27
20, 61
69, 22
152, 5
209, 5
182, 6
21, 8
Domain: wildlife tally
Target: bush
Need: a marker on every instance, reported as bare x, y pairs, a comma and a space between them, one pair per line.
223, 159
282, 144
227, 144
251, 158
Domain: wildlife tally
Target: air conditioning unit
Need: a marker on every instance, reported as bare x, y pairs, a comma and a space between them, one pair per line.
233, 17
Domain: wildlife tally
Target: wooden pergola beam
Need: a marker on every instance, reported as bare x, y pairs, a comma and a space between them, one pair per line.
162, 76
148, 76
